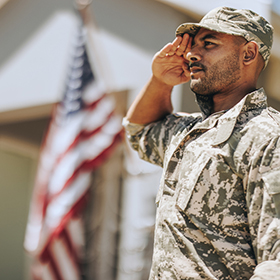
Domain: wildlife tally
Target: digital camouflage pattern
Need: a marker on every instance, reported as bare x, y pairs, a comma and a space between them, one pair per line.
216, 218
231, 21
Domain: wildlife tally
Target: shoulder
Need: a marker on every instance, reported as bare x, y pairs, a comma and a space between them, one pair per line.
262, 129
274, 115
255, 128
268, 122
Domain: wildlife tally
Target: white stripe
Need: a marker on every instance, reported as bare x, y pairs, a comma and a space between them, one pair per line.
99, 115
63, 260
57, 209
94, 91
47, 273
62, 204
76, 234
86, 150
32, 236
84, 120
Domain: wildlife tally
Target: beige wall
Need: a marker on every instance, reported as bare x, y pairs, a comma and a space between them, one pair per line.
17, 169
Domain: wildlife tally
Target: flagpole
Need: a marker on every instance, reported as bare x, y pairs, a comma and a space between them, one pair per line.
82, 6
94, 44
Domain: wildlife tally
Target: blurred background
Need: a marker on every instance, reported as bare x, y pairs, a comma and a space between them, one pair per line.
116, 219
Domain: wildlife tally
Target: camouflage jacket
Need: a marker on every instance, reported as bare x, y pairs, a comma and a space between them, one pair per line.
216, 215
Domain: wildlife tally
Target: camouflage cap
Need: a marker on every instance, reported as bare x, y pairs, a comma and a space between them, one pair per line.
231, 21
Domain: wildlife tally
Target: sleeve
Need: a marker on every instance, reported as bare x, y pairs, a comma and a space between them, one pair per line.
151, 141
263, 202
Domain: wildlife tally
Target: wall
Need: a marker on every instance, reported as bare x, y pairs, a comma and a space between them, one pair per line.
17, 168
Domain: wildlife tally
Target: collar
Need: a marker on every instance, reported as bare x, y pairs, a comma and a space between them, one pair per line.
255, 100
205, 103
224, 121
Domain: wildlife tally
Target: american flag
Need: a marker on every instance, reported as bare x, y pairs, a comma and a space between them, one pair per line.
81, 135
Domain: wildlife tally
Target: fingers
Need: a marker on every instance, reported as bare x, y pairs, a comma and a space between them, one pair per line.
188, 47
180, 45
189, 44
175, 45
183, 45
165, 50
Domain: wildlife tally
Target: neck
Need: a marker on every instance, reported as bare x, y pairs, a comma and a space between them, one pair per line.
226, 100
217, 102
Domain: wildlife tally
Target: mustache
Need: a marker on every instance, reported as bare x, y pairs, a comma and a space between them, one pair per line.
197, 64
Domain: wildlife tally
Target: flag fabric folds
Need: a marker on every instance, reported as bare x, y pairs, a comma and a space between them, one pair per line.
82, 133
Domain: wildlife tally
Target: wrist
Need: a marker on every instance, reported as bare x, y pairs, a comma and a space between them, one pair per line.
160, 84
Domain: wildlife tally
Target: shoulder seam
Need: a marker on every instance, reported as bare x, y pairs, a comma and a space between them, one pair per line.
271, 113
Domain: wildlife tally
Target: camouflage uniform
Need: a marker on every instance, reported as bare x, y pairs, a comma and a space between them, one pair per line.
216, 216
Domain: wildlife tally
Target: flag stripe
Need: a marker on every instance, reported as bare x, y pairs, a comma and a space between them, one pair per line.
66, 265
47, 257
91, 150
70, 247
60, 226
84, 135
76, 234
90, 163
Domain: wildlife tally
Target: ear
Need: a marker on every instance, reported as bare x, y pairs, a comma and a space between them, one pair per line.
250, 54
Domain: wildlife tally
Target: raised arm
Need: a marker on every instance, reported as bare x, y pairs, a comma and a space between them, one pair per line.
169, 68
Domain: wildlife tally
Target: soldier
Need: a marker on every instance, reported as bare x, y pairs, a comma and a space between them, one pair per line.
218, 204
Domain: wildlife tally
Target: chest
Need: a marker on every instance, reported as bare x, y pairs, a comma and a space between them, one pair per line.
200, 177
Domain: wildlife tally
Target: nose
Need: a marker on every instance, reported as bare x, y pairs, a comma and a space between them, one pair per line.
192, 55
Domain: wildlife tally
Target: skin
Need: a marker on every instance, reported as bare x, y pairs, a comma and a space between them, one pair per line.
224, 66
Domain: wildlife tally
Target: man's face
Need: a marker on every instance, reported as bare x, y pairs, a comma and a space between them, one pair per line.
214, 62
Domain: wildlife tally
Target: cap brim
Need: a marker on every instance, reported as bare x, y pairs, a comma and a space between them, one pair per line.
193, 28
190, 28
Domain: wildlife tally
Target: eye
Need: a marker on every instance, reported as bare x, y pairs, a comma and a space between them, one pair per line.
208, 43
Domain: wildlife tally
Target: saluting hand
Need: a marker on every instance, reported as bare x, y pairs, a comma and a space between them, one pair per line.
169, 64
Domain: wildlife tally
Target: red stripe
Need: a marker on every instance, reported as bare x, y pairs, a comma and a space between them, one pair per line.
83, 135
46, 257
71, 249
92, 106
89, 165
92, 164
77, 208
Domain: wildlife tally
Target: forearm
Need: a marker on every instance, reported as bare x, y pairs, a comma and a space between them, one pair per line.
152, 103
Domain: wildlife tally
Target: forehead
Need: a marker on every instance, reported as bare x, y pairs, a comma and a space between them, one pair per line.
206, 34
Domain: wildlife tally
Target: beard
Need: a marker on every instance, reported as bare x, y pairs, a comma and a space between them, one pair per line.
220, 76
